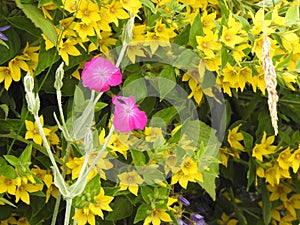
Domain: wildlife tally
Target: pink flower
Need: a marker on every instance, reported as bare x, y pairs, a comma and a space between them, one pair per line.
99, 74
127, 115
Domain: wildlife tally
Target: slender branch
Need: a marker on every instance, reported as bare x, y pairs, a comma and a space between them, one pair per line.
68, 211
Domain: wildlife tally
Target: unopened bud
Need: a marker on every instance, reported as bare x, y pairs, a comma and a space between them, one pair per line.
59, 75
28, 83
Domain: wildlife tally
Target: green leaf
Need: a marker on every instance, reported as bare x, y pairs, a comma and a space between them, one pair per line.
13, 160
121, 207
13, 43
183, 38
147, 193
167, 115
248, 141
25, 24
285, 62
292, 15
244, 22
135, 86
25, 157
186, 59
149, 5
138, 157
5, 110
196, 30
7, 202
209, 177
4, 44
166, 81
251, 173
8, 171
267, 205
46, 59
142, 213
36, 16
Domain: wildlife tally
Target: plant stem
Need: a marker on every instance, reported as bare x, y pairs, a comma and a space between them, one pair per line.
61, 113
68, 211
101, 151
56, 209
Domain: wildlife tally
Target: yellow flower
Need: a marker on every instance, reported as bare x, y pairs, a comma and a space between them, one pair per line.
71, 5
292, 204
84, 216
257, 47
115, 12
264, 148
234, 137
153, 133
117, 143
23, 221
208, 43
7, 75
16, 64
207, 21
7, 185
103, 202
258, 81
132, 6
161, 30
258, 23
231, 37
131, 181
226, 220
68, 48
23, 191
75, 165
155, 41
85, 29
283, 158
31, 55
104, 40
134, 50
138, 33
294, 160
88, 12
46, 7
188, 172
52, 137
195, 86
157, 215
33, 131
279, 191
226, 153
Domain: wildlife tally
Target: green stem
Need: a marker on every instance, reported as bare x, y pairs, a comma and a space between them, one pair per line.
68, 210
50, 154
56, 209
61, 113
100, 152
58, 199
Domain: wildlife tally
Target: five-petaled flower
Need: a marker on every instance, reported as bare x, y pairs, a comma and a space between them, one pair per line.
2, 36
127, 115
99, 74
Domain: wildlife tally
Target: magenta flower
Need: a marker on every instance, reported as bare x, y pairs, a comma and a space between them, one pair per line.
99, 74
127, 115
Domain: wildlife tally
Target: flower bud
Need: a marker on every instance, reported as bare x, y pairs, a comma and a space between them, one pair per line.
59, 75
184, 201
28, 83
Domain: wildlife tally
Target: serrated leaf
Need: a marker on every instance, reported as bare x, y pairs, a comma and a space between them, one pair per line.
36, 16
196, 30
